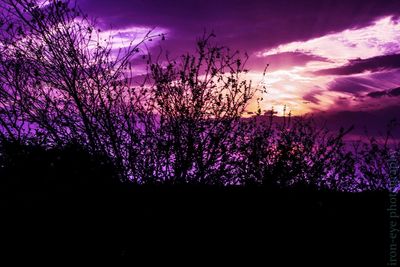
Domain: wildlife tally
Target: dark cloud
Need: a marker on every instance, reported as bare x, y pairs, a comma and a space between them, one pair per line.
312, 96
377, 94
353, 85
365, 122
361, 85
248, 25
392, 76
391, 93
373, 121
374, 64
395, 92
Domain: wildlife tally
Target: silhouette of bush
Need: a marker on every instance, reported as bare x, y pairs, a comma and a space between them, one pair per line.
199, 100
71, 167
293, 152
61, 82
299, 152
377, 159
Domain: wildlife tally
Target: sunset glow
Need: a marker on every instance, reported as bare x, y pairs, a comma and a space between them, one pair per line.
323, 56
303, 89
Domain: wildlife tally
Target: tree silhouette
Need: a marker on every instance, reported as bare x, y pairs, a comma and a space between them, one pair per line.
199, 100
62, 82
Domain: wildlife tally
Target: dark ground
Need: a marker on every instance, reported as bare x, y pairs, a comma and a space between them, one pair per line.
197, 223
63, 204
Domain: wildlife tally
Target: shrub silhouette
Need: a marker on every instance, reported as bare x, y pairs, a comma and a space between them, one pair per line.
62, 82
71, 167
199, 101
296, 151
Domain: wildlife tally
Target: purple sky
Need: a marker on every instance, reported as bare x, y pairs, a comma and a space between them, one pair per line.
333, 56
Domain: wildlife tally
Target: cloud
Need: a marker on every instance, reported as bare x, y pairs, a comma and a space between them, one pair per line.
391, 93
395, 92
358, 85
353, 85
373, 121
349, 79
283, 60
382, 37
122, 38
377, 94
374, 64
249, 25
312, 96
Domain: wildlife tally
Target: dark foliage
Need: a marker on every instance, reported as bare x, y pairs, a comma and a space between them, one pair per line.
186, 223
31, 167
